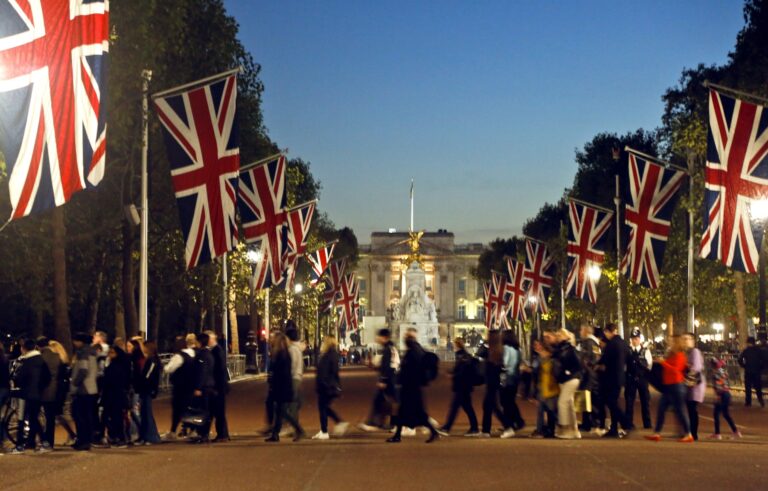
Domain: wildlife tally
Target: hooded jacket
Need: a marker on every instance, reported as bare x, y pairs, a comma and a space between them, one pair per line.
31, 376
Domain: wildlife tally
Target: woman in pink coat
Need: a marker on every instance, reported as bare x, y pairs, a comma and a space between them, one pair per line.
696, 390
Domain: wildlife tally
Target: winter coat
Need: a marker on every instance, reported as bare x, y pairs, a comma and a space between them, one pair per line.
117, 381
32, 376
614, 362
220, 372
567, 363
53, 362
5, 373
280, 380
463, 379
204, 378
752, 359
589, 353
720, 378
696, 364
411, 412
387, 373
84, 372
327, 382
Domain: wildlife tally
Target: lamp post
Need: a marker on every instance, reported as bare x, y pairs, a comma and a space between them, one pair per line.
615, 154
594, 272
758, 210
254, 257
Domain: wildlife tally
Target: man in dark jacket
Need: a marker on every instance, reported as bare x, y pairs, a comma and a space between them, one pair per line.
114, 397
205, 385
639, 362
464, 375
411, 412
381, 409
589, 353
612, 366
31, 377
221, 388
84, 389
48, 396
752, 360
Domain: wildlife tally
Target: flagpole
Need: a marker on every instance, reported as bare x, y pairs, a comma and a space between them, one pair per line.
617, 202
266, 330
225, 302
196, 83
146, 76
247, 167
690, 309
562, 289
411, 205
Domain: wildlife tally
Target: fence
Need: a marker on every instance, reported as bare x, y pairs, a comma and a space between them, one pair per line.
235, 366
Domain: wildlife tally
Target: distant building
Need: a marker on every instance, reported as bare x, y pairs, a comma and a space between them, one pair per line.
457, 295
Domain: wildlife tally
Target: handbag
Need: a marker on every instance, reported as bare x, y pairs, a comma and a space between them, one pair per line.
582, 401
692, 378
195, 416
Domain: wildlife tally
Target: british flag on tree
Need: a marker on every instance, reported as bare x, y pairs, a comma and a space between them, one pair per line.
736, 175
539, 268
299, 221
201, 138
333, 281
319, 261
496, 301
349, 304
516, 289
52, 94
588, 225
650, 201
262, 204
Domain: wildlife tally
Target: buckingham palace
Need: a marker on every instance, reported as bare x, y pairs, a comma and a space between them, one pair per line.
457, 295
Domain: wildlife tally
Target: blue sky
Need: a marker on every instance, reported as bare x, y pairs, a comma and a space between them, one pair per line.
482, 103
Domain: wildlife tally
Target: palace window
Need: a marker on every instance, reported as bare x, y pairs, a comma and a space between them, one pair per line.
462, 312
361, 284
462, 286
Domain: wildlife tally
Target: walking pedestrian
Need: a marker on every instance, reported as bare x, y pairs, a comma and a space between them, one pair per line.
30, 377
673, 390
83, 389
694, 381
612, 366
411, 379
568, 376
511, 380
548, 391
589, 353
280, 381
328, 387
204, 387
147, 390
753, 361
115, 396
465, 373
494, 363
221, 388
49, 393
63, 397
639, 363
720, 383
387, 365
181, 371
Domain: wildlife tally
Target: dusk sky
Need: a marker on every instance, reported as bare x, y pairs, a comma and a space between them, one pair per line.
481, 103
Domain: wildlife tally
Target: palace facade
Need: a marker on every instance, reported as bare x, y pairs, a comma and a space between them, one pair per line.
457, 295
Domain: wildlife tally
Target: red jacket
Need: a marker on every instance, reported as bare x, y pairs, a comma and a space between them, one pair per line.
674, 368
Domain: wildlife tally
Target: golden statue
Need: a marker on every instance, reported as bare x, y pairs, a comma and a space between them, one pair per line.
413, 245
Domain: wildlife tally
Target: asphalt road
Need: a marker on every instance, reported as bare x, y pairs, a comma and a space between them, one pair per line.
365, 461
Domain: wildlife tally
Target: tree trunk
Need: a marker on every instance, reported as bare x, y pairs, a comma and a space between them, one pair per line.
234, 332
119, 321
154, 332
93, 310
62, 331
129, 283
741, 308
37, 321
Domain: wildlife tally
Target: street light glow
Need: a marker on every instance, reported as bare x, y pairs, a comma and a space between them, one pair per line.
718, 326
254, 256
532, 299
663, 326
298, 288
594, 272
758, 209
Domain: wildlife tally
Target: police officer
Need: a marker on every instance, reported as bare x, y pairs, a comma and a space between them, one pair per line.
639, 362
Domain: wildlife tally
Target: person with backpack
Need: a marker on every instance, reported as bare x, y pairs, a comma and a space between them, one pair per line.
463, 380
494, 363
511, 379
568, 376
414, 374
31, 378
181, 371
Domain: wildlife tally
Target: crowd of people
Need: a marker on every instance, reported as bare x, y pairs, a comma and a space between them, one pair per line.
102, 396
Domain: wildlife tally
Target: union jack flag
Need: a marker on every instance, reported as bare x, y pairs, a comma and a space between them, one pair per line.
587, 227
736, 175
648, 214
52, 91
319, 261
203, 151
539, 268
496, 305
349, 304
262, 204
333, 281
515, 288
299, 221
488, 306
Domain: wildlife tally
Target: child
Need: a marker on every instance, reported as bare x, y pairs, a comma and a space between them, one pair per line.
723, 401
548, 391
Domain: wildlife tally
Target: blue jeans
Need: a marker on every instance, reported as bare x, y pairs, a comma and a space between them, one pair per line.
673, 395
147, 427
548, 408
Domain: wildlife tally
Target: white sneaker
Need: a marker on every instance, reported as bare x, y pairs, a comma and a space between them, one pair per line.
508, 433
408, 432
483, 435
366, 428
340, 429
321, 436
599, 431
169, 437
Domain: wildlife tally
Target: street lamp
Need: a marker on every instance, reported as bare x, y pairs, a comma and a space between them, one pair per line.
718, 327
758, 210
254, 257
298, 288
594, 272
